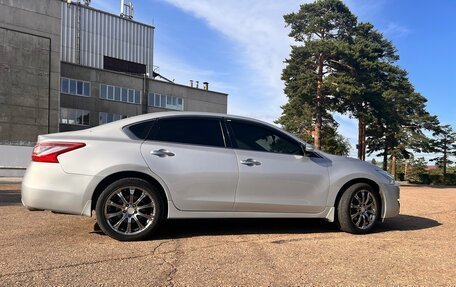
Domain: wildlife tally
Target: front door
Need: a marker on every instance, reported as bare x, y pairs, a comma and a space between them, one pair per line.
274, 173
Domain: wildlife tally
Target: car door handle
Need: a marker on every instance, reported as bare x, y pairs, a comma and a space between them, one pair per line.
162, 153
250, 162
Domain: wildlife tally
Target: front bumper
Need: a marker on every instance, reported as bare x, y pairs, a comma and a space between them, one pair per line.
47, 187
390, 200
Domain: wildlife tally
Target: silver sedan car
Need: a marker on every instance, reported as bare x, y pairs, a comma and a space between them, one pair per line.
138, 171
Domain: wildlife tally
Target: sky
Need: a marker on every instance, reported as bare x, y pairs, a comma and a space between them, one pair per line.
239, 48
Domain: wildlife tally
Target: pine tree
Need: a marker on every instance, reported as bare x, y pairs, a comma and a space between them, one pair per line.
323, 29
445, 144
399, 121
360, 87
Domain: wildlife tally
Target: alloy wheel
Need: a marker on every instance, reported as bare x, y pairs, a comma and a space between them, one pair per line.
363, 209
129, 210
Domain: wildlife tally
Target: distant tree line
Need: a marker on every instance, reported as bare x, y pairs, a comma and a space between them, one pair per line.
341, 65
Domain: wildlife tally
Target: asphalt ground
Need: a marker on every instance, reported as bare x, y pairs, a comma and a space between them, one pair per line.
417, 248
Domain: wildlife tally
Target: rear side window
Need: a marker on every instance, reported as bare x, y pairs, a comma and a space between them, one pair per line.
197, 131
139, 130
260, 138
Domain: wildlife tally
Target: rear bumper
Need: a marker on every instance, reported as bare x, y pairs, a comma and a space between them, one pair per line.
47, 187
390, 200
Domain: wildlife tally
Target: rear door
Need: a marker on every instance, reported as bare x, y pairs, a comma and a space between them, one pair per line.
274, 173
189, 154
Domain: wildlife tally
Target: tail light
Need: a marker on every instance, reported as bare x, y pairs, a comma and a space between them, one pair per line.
48, 151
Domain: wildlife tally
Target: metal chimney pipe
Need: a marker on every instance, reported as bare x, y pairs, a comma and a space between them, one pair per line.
191, 83
122, 7
132, 11
206, 86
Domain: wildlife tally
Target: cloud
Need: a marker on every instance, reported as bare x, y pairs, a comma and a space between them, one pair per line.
181, 72
258, 33
261, 43
395, 30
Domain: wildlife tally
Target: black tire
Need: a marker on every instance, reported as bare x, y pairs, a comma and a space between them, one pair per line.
348, 206
138, 220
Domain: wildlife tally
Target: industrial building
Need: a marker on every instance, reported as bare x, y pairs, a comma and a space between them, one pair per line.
66, 66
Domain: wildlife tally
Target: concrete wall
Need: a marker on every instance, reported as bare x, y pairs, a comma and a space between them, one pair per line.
29, 69
14, 160
194, 99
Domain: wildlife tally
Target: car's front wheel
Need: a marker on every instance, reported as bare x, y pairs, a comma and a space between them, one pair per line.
358, 209
129, 209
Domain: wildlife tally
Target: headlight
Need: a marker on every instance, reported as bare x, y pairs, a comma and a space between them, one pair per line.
386, 175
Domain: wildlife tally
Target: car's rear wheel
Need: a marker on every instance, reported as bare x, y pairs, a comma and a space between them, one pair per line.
129, 209
358, 209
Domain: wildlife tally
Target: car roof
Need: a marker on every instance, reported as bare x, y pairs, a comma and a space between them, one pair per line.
156, 115
115, 129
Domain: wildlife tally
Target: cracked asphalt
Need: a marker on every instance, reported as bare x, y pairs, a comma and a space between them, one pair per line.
416, 248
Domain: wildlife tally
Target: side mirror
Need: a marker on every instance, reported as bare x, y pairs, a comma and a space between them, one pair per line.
306, 148
309, 148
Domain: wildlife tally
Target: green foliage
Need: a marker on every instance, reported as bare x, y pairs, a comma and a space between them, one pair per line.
298, 120
323, 29
343, 66
365, 72
400, 117
444, 144
334, 142
415, 168
438, 179
417, 173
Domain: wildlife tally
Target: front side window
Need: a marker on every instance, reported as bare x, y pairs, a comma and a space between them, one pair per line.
197, 131
249, 136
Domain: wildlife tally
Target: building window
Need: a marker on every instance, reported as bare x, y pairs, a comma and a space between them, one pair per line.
74, 117
119, 94
110, 93
137, 96
75, 87
166, 102
108, 117
124, 95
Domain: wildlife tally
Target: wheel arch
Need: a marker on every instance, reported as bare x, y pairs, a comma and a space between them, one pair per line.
351, 182
126, 174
